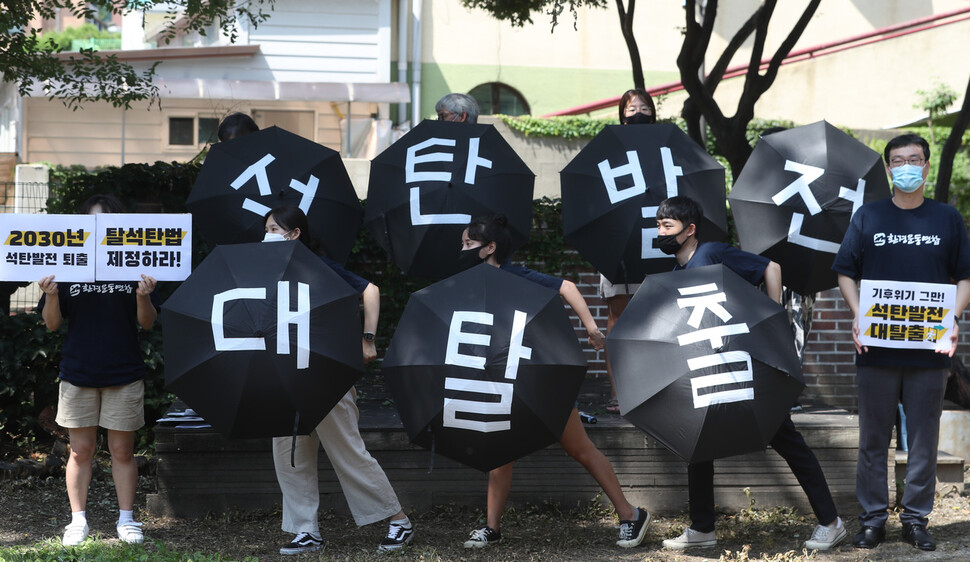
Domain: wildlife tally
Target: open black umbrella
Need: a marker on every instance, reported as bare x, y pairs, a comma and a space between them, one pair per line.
426, 187
705, 363
262, 339
795, 196
611, 190
484, 367
244, 178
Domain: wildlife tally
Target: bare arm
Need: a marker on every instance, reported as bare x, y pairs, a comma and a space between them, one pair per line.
773, 281
850, 293
52, 303
571, 294
143, 296
372, 309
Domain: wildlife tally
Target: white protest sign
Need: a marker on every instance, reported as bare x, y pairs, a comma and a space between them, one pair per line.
38, 245
130, 245
906, 315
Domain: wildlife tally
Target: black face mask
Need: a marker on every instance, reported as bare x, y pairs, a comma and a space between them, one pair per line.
668, 243
640, 118
468, 259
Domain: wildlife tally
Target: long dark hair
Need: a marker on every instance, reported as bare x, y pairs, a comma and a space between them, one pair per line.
290, 217
636, 93
108, 204
492, 228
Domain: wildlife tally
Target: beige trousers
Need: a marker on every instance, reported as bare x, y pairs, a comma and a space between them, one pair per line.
368, 492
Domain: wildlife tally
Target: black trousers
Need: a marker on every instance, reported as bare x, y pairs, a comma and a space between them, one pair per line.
788, 442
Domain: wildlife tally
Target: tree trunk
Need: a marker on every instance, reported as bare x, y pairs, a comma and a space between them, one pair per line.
945, 170
626, 26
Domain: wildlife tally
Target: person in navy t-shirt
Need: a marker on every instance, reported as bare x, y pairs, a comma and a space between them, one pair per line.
677, 220
101, 384
904, 238
487, 240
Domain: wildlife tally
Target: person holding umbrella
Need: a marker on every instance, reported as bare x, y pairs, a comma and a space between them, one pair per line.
366, 488
488, 240
636, 107
677, 219
458, 108
101, 384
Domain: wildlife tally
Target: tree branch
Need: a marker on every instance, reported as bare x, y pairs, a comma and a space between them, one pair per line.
626, 26
953, 142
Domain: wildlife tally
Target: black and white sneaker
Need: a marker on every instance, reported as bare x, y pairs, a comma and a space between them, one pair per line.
480, 538
304, 542
399, 533
633, 532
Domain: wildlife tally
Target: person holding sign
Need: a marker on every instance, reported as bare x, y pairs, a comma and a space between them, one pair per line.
907, 238
677, 220
366, 488
487, 240
101, 384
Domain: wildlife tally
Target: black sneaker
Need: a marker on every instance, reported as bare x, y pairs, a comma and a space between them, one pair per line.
480, 538
304, 542
633, 532
398, 535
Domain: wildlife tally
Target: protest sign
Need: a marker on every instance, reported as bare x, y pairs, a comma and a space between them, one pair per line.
906, 315
38, 245
130, 245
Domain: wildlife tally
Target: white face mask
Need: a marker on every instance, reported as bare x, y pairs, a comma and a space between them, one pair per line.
274, 237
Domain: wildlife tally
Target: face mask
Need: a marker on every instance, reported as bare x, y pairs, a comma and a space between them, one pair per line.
640, 118
274, 237
668, 243
468, 259
907, 178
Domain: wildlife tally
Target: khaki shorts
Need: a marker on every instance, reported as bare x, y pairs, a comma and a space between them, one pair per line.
121, 408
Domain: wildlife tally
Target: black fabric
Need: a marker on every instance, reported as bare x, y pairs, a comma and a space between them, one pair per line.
101, 347
547, 281
751, 267
352, 279
927, 244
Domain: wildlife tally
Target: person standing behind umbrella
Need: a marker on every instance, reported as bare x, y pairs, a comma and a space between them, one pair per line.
101, 384
366, 488
458, 108
487, 239
636, 107
677, 220
879, 245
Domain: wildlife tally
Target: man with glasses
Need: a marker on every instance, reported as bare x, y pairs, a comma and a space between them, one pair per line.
906, 238
460, 108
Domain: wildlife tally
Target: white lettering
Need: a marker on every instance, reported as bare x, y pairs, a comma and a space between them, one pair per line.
222, 343
454, 406
456, 337
412, 160
300, 317
632, 169
418, 219
800, 186
474, 161
516, 349
735, 377
308, 191
795, 236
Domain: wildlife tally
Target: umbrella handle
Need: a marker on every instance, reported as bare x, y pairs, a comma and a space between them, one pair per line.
296, 426
626, 281
387, 237
431, 460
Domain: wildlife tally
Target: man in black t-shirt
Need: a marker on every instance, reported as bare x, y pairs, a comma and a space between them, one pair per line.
905, 238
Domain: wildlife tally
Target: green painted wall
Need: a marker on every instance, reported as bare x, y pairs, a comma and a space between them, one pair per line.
545, 89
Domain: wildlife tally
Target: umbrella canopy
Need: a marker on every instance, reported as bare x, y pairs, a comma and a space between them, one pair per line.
484, 367
425, 188
705, 363
262, 339
795, 196
244, 178
612, 188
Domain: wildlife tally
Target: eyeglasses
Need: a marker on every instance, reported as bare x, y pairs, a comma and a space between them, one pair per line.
914, 161
445, 115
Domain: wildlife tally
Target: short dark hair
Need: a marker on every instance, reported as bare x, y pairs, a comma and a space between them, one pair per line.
458, 104
492, 228
635, 93
683, 209
108, 204
236, 125
290, 217
908, 139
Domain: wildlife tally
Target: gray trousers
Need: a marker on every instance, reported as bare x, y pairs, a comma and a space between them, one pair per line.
921, 393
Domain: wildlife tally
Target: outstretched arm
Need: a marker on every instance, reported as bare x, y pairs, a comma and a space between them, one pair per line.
573, 297
372, 309
773, 281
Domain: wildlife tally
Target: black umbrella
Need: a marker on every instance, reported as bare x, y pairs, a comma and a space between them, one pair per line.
484, 367
427, 186
223, 352
244, 178
705, 363
611, 190
795, 196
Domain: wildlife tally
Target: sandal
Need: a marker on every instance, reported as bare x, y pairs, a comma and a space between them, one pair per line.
613, 406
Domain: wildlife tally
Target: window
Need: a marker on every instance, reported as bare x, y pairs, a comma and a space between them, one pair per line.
192, 132
495, 97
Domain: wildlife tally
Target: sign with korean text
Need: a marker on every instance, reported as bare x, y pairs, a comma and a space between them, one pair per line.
130, 245
906, 315
38, 245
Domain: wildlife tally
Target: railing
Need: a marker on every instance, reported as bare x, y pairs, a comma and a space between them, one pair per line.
20, 197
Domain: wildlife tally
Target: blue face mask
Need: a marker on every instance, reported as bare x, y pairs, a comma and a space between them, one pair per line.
907, 178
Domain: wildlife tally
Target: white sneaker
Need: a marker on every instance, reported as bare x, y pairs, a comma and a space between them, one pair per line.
825, 538
74, 534
130, 532
691, 538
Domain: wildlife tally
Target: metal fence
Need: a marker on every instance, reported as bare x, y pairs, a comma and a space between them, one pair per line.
21, 197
